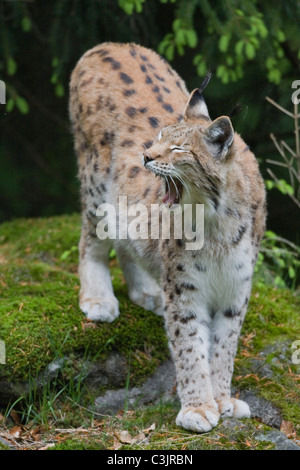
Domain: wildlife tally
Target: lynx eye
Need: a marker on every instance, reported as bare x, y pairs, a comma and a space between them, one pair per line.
176, 149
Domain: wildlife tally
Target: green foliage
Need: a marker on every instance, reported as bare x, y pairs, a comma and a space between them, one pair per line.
282, 186
232, 34
278, 260
129, 6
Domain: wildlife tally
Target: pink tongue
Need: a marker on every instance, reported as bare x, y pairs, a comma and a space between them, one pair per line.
170, 197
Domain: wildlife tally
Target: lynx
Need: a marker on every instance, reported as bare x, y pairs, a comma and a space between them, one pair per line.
133, 120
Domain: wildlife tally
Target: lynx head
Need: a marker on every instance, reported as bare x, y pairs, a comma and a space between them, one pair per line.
191, 155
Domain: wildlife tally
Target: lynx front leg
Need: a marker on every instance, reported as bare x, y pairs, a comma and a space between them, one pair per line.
143, 289
189, 343
97, 299
226, 329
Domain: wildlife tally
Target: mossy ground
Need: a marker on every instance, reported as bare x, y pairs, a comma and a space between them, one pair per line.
40, 321
39, 315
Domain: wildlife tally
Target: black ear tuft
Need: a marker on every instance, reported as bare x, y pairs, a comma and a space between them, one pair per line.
196, 106
235, 110
205, 82
219, 136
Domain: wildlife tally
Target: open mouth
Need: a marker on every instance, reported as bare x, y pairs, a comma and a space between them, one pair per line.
173, 190
173, 184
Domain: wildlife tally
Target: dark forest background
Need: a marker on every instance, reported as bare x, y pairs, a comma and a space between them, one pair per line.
251, 46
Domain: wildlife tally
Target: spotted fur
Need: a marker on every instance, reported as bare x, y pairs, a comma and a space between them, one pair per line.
127, 102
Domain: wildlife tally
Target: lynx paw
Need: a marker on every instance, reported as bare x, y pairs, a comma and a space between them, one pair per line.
232, 407
102, 310
148, 301
200, 419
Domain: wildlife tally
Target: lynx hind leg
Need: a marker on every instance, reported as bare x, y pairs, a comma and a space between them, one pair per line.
143, 289
97, 299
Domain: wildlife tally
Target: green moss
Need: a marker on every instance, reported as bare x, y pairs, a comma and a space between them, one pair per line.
40, 317
81, 444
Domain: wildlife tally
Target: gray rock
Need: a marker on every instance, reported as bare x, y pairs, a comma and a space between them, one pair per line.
10, 392
52, 371
279, 439
112, 372
261, 408
158, 387
7, 444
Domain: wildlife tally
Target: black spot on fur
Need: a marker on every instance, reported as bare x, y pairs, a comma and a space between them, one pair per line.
86, 82
168, 107
146, 192
148, 144
166, 89
101, 52
230, 313
177, 332
186, 318
242, 229
193, 333
108, 138
114, 63
130, 111
161, 79
177, 290
215, 202
134, 171
126, 78
143, 68
143, 110
188, 285
179, 267
129, 92
156, 89
144, 58
154, 122
148, 80
200, 267
127, 143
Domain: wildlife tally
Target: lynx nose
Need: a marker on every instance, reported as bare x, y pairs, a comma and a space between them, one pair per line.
147, 158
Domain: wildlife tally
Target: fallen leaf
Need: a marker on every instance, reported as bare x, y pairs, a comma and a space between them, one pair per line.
47, 446
117, 444
139, 437
15, 432
15, 416
151, 428
124, 437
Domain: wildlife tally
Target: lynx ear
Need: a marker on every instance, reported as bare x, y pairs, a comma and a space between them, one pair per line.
196, 106
219, 136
